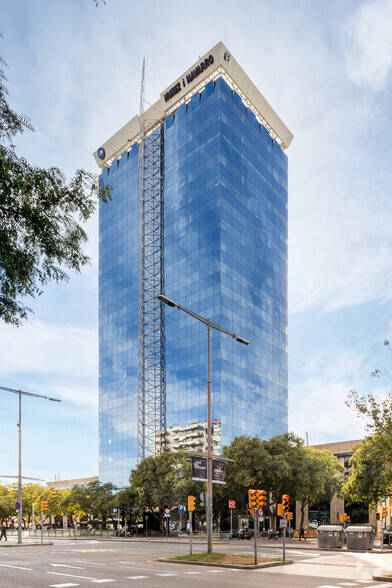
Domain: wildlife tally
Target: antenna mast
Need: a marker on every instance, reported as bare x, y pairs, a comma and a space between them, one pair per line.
151, 345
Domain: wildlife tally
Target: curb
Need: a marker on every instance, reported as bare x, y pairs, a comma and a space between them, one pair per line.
25, 545
271, 564
383, 578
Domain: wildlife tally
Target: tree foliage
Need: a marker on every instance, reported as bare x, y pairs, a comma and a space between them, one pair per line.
40, 214
164, 480
371, 465
371, 470
92, 500
280, 465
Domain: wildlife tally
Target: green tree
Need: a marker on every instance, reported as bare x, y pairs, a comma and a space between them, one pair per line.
163, 480
40, 214
92, 500
371, 464
317, 478
7, 503
279, 465
126, 500
371, 470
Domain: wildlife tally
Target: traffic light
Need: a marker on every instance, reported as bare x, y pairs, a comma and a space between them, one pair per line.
289, 516
44, 505
75, 517
249, 511
191, 503
384, 512
378, 516
261, 498
252, 498
286, 502
280, 512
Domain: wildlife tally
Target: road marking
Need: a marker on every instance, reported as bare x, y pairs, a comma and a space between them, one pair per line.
166, 574
192, 572
65, 566
102, 581
63, 585
346, 584
143, 568
16, 567
89, 562
297, 552
136, 577
215, 571
70, 575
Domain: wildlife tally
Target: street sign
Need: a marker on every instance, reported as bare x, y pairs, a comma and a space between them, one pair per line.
17, 505
261, 512
167, 512
146, 517
181, 509
283, 523
115, 510
231, 503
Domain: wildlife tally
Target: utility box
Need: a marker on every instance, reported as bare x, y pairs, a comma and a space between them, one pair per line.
360, 538
330, 536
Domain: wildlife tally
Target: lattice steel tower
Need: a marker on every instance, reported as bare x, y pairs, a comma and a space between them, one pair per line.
151, 344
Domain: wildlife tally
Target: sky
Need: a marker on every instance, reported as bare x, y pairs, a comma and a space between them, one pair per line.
74, 69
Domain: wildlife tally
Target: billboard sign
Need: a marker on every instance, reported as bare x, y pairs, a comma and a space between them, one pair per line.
218, 471
199, 469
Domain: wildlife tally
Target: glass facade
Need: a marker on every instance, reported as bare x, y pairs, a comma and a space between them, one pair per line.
225, 258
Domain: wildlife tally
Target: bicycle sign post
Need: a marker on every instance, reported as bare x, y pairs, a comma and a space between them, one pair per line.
181, 510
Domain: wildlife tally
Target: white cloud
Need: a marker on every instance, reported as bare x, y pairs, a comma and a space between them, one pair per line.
369, 44
51, 359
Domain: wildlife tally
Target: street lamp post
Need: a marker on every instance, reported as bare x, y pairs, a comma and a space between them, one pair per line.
210, 325
21, 393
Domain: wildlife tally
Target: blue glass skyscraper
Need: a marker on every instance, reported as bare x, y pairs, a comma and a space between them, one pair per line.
220, 245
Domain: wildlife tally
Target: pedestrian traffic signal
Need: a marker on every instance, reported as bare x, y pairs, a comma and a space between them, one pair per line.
384, 512
44, 505
252, 498
249, 511
191, 503
286, 502
378, 516
280, 512
289, 516
261, 498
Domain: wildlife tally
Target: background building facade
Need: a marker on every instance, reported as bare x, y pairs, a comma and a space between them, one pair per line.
223, 194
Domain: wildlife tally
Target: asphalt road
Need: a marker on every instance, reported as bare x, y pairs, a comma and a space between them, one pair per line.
88, 562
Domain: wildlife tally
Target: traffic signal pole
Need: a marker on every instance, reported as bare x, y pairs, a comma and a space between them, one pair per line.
284, 537
255, 525
190, 532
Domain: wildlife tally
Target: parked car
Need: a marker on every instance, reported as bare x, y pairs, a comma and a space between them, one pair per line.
387, 535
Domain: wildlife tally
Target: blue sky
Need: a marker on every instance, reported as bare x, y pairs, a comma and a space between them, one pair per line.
75, 70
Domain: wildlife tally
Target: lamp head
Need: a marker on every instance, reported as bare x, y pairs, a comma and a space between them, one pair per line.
166, 300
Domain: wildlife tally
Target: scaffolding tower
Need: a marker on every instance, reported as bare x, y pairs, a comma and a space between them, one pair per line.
151, 326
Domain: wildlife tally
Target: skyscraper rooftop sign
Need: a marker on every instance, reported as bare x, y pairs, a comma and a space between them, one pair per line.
189, 77
217, 62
